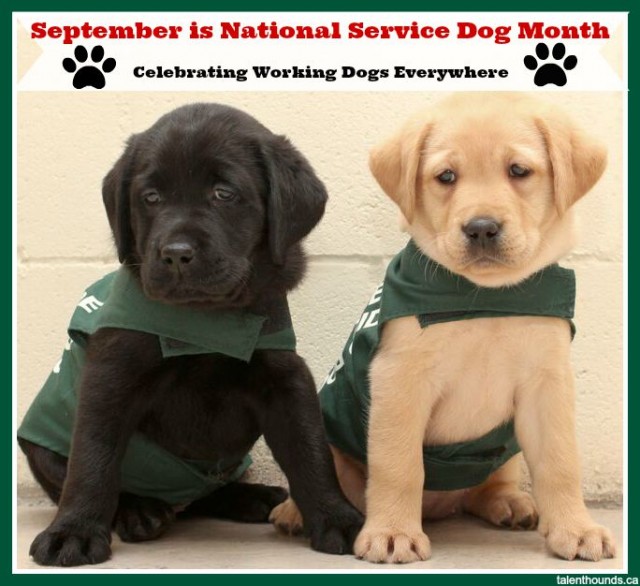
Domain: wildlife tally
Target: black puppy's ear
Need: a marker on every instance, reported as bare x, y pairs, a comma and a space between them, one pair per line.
115, 195
296, 198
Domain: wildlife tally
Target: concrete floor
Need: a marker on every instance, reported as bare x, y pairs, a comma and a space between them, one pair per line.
201, 544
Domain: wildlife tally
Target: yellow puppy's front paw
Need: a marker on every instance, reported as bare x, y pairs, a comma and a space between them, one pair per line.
587, 542
385, 545
287, 518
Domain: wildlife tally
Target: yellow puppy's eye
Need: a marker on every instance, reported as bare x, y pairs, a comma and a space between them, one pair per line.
447, 177
518, 171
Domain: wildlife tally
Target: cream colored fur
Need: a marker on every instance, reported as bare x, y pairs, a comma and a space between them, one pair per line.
456, 381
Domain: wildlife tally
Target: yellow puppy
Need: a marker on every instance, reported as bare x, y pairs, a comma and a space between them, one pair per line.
485, 183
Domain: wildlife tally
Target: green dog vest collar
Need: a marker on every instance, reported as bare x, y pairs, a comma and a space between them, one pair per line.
117, 301
415, 285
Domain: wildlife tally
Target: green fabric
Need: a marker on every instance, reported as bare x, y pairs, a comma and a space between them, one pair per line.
118, 301
414, 285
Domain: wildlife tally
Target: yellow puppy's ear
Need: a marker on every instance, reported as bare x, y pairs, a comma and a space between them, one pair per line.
396, 165
577, 159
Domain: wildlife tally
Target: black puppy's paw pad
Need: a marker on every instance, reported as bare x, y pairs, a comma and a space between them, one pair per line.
553, 73
142, 519
89, 75
70, 547
332, 541
336, 533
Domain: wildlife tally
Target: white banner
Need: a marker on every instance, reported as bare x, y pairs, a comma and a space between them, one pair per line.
300, 51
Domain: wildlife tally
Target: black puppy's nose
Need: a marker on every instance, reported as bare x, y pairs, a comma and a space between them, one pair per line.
482, 230
177, 253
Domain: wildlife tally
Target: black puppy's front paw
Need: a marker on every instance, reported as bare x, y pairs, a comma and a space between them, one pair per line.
335, 532
142, 518
71, 545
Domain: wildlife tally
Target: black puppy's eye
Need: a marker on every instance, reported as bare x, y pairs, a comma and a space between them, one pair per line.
151, 197
223, 194
447, 177
518, 171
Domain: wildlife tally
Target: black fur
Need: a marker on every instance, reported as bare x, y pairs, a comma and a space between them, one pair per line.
207, 208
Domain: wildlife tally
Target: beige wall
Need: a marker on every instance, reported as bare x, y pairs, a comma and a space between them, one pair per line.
68, 141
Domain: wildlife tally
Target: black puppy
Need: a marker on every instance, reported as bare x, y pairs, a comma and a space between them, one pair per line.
207, 209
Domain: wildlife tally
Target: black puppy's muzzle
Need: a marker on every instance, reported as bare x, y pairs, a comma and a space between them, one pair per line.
482, 233
182, 269
177, 255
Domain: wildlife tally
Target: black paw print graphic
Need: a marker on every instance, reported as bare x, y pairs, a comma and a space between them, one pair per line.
88, 75
550, 72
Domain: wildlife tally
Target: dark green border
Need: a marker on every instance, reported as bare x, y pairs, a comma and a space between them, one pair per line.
326, 5
337, 6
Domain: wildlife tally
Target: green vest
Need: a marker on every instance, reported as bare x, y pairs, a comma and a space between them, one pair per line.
117, 301
414, 285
